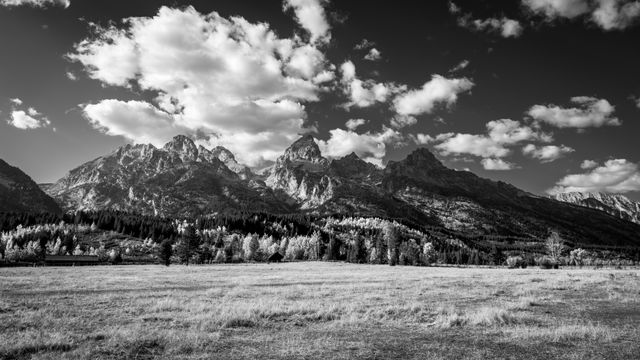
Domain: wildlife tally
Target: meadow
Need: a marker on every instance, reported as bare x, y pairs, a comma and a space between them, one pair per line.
318, 310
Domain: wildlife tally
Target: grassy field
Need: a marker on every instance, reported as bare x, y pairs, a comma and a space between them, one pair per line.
317, 310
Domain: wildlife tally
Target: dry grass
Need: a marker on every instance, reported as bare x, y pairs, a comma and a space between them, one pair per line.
317, 311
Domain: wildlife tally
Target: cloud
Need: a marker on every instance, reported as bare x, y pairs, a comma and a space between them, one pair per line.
497, 164
546, 153
591, 112
371, 147
364, 44
137, 121
438, 90
607, 14
22, 120
27, 118
588, 164
373, 55
424, 139
558, 8
478, 145
311, 16
36, 3
615, 176
364, 93
492, 146
400, 121
504, 26
461, 66
453, 8
353, 124
229, 79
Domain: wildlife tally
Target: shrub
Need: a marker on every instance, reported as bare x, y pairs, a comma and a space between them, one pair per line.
514, 262
115, 257
577, 256
220, 257
546, 262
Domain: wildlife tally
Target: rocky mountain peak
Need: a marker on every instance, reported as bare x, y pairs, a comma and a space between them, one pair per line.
183, 147
423, 158
352, 165
304, 149
223, 154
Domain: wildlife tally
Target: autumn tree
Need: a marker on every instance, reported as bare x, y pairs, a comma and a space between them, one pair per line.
554, 246
390, 234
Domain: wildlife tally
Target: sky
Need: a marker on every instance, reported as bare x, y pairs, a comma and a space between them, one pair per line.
543, 94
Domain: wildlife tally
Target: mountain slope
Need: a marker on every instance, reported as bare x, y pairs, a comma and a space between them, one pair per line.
614, 204
473, 205
177, 180
18, 192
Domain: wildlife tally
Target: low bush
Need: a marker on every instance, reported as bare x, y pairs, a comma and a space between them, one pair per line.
546, 262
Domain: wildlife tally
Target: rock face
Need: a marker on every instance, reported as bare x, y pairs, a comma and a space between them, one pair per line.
18, 192
300, 174
182, 179
613, 204
178, 180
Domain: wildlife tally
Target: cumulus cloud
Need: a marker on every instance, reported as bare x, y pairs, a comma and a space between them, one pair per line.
370, 146
588, 164
230, 79
492, 146
547, 153
558, 8
36, 3
478, 145
27, 117
137, 121
353, 124
614, 176
27, 120
373, 55
504, 26
399, 121
364, 93
590, 112
607, 14
497, 164
311, 16
438, 90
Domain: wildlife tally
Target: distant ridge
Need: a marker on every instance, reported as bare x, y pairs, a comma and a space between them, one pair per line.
18, 192
614, 204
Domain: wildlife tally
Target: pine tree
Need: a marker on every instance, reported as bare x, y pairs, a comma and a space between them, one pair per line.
188, 244
165, 252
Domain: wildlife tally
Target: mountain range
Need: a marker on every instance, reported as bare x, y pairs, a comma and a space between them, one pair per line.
615, 204
182, 179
